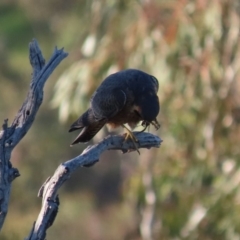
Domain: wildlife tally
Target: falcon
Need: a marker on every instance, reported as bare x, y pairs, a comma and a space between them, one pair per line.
125, 97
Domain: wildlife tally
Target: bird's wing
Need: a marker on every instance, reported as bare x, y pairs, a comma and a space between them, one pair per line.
106, 104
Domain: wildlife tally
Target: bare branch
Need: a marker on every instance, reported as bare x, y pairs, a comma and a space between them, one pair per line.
88, 157
10, 136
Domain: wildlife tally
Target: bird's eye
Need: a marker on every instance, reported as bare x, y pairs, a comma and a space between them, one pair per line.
155, 82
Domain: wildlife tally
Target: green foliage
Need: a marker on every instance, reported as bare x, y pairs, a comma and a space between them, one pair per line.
192, 47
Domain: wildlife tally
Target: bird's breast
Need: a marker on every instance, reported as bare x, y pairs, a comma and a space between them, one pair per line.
126, 115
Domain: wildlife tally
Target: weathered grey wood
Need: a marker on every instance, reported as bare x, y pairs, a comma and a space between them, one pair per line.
10, 136
89, 156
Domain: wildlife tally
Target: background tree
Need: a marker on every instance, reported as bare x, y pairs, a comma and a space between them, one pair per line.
189, 187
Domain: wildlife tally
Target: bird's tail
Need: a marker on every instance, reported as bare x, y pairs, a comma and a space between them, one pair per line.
88, 125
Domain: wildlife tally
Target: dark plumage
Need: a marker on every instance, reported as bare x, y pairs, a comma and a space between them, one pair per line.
127, 96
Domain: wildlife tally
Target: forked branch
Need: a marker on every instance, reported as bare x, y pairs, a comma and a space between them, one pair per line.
10, 136
89, 156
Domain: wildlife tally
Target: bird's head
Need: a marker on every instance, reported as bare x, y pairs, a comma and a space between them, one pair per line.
148, 107
155, 83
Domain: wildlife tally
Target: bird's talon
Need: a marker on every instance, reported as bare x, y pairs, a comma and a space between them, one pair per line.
129, 134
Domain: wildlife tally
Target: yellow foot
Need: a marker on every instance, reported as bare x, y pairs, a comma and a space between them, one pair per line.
129, 134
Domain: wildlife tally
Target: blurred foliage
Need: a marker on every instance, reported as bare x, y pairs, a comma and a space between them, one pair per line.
187, 189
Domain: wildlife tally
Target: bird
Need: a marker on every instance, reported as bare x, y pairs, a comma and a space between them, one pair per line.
125, 97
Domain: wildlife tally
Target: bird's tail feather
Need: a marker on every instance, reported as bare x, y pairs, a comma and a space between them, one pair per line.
88, 125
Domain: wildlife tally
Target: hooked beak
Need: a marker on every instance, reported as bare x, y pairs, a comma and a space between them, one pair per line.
155, 123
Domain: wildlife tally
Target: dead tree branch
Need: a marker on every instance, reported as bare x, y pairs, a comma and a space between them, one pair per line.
89, 156
10, 136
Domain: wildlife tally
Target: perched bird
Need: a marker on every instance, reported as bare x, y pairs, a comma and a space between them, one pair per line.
128, 96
